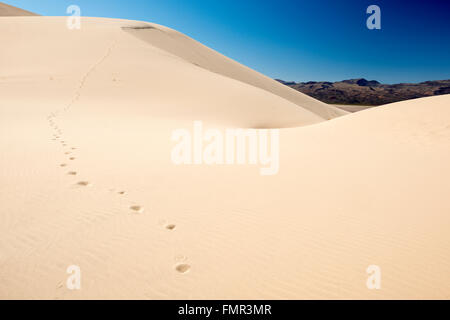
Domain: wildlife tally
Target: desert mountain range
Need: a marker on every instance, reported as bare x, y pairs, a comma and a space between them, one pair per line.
369, 93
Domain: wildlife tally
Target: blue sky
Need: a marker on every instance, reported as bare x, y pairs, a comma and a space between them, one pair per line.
299, 40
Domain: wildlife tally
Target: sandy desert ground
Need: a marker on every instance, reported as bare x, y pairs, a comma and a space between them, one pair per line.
352, 108
86, 118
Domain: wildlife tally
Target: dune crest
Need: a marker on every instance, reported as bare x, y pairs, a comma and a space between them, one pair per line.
196, 53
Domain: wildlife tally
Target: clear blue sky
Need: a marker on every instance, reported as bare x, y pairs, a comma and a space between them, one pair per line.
300, 40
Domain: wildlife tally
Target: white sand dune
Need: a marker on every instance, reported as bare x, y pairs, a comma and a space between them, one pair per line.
94, 185
194, 52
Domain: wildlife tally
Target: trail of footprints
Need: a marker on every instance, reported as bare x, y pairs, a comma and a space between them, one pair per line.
181, 267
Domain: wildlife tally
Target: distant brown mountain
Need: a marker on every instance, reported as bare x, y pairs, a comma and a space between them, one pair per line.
370, 93
8, 11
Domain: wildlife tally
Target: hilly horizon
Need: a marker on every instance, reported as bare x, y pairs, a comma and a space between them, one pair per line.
350, 92
364, 92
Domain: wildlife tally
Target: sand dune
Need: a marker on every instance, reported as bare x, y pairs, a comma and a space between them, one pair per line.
87, 180
152, 75
194, 52
8, 11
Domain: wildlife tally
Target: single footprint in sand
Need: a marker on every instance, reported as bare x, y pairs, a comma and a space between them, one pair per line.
84, 183
170, 227
182, 267
72, 173
63, 164
138, 209
121, 192
67, 152
72, 158
73, 148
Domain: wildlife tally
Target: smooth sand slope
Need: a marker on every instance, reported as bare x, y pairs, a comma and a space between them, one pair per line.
194, 52
85, 124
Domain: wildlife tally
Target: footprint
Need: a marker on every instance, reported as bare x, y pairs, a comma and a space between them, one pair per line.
72, 173
63, 164
72, 158
84, 183
67, 152
182, 267
73, 148
170, 227
121, 192
138, 209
